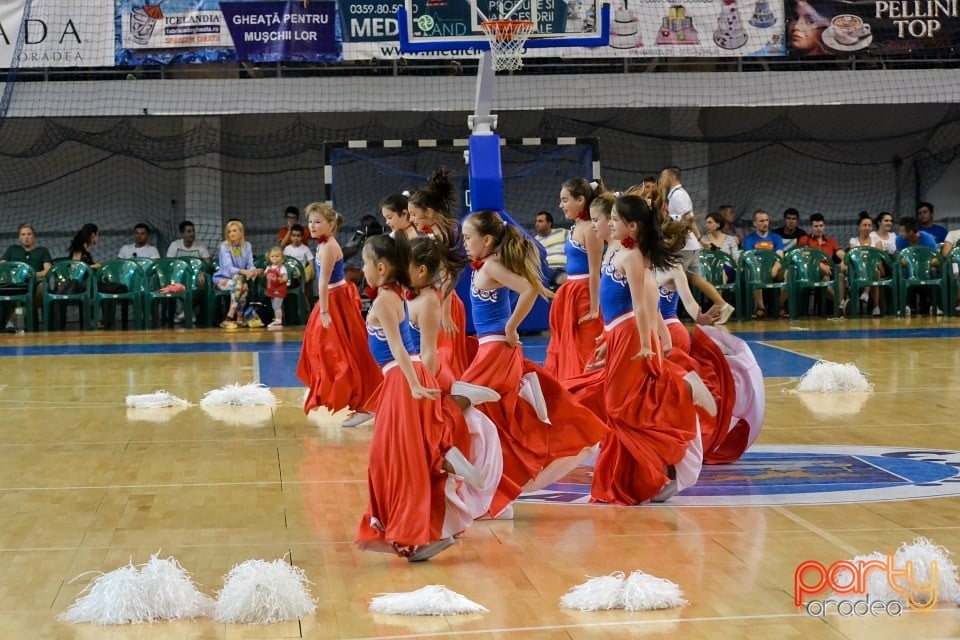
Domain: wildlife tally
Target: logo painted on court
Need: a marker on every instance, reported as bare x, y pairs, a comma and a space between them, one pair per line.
770, 475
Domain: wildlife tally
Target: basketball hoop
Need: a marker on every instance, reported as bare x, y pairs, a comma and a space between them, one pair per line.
507, 41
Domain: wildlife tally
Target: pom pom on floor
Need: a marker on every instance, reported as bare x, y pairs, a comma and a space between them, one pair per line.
432, 600
933, 574
832, 377
116, 597
171, 592
157, 400
596, 594
261, 592
238, 395
644, 592
165, 414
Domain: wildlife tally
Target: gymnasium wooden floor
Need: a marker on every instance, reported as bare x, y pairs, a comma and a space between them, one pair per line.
86, 485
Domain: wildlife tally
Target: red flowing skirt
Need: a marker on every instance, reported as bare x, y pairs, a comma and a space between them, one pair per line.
405, 478
571, 342
651, 417
679, 336
454, 351
530, 441
335, 363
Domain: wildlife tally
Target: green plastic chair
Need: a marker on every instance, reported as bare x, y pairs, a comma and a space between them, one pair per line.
126, 273
201, 285
756, 266
864, 266
213, 294
712, 263
918, 271
805, 276
162, 273
951, 271
61, 273
295, 271
20, 274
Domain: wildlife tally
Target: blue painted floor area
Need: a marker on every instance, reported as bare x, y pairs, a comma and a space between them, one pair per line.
278, 359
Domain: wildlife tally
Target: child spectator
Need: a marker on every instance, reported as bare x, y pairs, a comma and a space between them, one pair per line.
277, 278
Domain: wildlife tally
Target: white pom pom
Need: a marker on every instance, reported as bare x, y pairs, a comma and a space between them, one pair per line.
877, 587
240, 416
924, 555
595, 594
116, 597
432, 600
157, 400
831, 377
237, 395
166, 414
171, 592
260, 592
643, 592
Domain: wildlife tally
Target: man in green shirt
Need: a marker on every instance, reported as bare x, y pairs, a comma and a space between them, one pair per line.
37, 257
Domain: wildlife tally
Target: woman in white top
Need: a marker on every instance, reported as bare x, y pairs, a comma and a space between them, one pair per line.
884, 238
866, 237
717, 240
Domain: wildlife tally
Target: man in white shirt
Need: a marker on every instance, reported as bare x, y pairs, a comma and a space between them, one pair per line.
680, 208
187, 246
140, 247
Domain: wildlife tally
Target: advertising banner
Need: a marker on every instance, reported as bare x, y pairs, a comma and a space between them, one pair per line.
57, 33
185, 31
881, 27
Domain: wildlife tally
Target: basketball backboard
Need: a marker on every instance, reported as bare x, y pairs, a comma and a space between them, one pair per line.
445, 25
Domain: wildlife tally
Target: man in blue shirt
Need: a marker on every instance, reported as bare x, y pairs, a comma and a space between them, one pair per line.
911, 235
762, 239
925, 220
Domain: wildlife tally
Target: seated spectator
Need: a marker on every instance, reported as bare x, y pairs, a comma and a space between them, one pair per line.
352, 254
291, 216
790, 232
27, 251
187, 246
925, 220
866, 237
762, 239
817, 239
301, 253
235, 270
883, 237
554, 241
140, 247
83, 243
730, 223
717, 240
912, 236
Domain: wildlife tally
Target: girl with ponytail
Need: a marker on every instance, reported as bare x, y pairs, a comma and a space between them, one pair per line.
575, 321
335, 363
544, 433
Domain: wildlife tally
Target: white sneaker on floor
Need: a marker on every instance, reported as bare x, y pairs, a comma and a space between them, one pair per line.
865, 297
427, 551
275, 326
357, 419
725, 312
178, 318
876, 311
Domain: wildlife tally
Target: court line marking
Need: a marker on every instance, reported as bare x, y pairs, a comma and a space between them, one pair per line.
601, 625
256, 367
252, 483
826, 535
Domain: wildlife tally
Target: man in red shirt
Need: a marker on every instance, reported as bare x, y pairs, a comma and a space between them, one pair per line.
818, 240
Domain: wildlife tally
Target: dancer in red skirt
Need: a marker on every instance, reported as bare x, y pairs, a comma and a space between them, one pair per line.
335, 363
406, 477
575, 321
431, 210
543, 431
650, 404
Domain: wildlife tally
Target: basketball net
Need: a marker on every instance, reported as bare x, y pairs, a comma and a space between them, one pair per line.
507, 41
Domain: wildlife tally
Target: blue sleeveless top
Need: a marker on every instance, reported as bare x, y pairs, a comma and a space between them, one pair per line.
668, 302
490, 308
577, 262
379, 347
336, 275
414, 336
615, 297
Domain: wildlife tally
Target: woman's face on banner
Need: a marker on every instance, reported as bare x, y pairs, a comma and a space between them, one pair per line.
805, 28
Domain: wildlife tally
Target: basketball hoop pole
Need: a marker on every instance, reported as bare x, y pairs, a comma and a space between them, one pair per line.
483, 149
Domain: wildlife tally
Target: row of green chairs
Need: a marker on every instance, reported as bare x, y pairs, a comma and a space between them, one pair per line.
866, 267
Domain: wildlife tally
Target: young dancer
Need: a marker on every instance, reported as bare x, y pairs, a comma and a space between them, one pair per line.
544, 432
575, 321
431, 210
335, 362
649, 402
406, 477
397, 216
